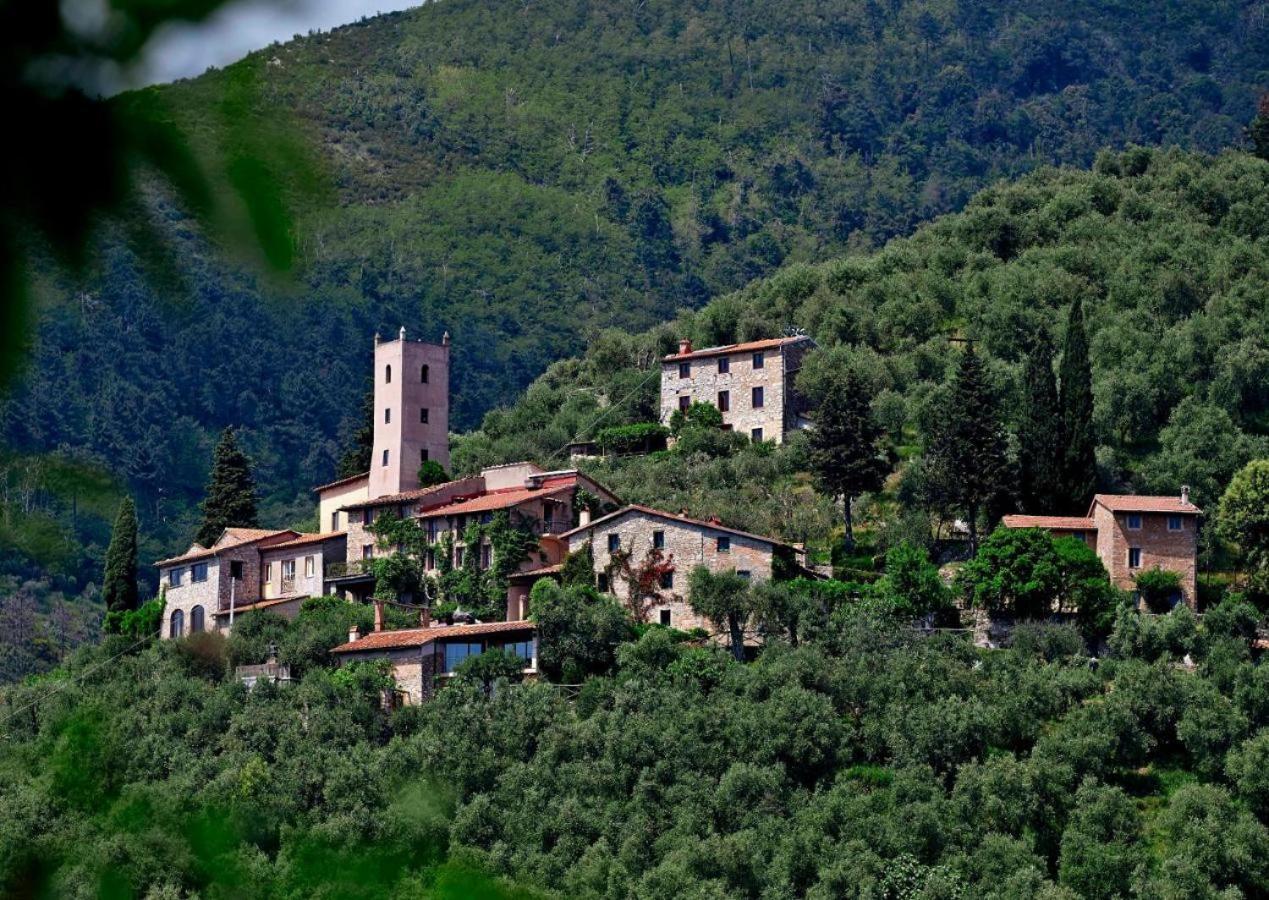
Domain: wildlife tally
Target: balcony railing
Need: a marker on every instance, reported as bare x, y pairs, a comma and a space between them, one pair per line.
352, 567
288, 584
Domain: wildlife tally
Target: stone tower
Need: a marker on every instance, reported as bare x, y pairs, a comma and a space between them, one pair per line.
411, 412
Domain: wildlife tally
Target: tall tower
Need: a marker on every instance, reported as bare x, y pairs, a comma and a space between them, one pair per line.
411, 412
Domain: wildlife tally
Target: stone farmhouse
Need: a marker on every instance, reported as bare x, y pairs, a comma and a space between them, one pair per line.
751, 384
1133, 534
685, 543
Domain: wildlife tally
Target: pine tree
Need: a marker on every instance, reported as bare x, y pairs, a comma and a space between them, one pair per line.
1079, 458
231, 491
356, 459
845, 451
1040, 433
1258, 131
119, 587
969, 451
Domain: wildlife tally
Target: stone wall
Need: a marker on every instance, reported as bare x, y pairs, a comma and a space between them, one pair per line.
705, 383
1171, 551
190, 594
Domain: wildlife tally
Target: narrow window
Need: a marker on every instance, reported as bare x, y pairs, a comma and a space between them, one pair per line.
758, 360
423, 375
268, 571
601, 582
724, 365
685, 370
1134, 557
385, 458
423, 415
667, 581
614, 543
665, 617
458, 557
197, 619
684, 403
367, 551
1134, 522
744, 573
724, 401
309, 567
724, 544
235, 569
334, 521
756, 435
658, 540
430, 560
387, 415
387, 374
485, 556
1174, 523
177, 628
423, 455
288, 568
757, 398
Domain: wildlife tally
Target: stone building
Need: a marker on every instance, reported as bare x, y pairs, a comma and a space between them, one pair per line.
751, 384
683, 542
1133, 534
424, 658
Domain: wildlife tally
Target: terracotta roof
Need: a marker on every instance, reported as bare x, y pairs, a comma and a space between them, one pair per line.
747, 347
662, 514
1060, 523
260, 604
539, 572
229, 538
403, 497
418, 637
305, 539
500, 499
338, 481
1144, 503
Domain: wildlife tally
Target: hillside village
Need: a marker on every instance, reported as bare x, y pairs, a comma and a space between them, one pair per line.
641, 555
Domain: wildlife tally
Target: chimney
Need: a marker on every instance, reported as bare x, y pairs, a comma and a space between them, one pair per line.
1185, 493
377, 339
685, 346
378, 615
353, 634
402, 334
425, 617
445, 339
583, 516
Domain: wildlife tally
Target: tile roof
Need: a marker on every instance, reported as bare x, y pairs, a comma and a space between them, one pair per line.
305, 539
403, 497
338, 481
418, 637
260, 604
229, 538
504, 498
538, 572
662, 514
748, 346
1061, 523
1144, 503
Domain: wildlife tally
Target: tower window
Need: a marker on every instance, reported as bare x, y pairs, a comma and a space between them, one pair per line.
387, 415
423, 373
387, 374
423, 455
385, 458
423, 415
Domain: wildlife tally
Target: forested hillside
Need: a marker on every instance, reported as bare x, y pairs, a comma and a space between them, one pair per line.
524, 175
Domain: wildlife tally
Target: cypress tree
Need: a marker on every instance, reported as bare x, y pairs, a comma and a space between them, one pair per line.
119, 587
356, 459
1040, 433
1258, 131
845, 445
969, 452
1079, 458
231, 491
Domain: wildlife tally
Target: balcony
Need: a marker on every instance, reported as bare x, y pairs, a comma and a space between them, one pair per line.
288, 585
351, 568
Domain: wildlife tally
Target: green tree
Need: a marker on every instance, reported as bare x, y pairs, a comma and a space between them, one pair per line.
230, 499
1243, 518
356, 458
968, 450
726, 599
1158, 588
1040, 433
488, 668
119, 584
578, 630
1079, 440
1101, 844
1258, 131
845, 445
912, 586
432, 473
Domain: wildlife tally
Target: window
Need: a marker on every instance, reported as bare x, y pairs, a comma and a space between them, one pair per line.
601, 582
658, 540
174, 578
1174, 523
665, 617
756, 435
458, 557
432, 531
685, 370
485, 553
758, 360
614, 543
387, 374
423, 455
387, 415
1134, 557
309, 567
724, 365
522, 649
744, 573
724, 544
486, 518
268, 571
334, 521
423, 375
288, 568
198, 572
423, 415
684, 403
367, 551
235, 569
1134, 522
429, 560
457, 653
177, 628
724, 401
367, 516
667, 581
196, 619
757, 398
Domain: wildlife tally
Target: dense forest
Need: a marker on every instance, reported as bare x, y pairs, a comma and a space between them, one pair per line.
528, 175
869, 761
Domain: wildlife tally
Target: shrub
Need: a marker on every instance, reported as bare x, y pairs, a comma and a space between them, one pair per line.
1159, 589
641, 437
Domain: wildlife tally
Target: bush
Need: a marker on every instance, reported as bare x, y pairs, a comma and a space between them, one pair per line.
641, 437
1160, 590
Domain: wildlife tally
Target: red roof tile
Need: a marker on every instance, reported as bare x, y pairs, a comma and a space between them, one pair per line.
1143, 503
500, 499
418, 637
539, 572
662, 514
747, 347
305, 539
404, 497
1059, 523
229, 538
338, 481
260, 604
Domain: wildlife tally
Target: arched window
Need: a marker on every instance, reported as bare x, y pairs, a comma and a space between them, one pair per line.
387, 374
195, 619
423, 375
178, 624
